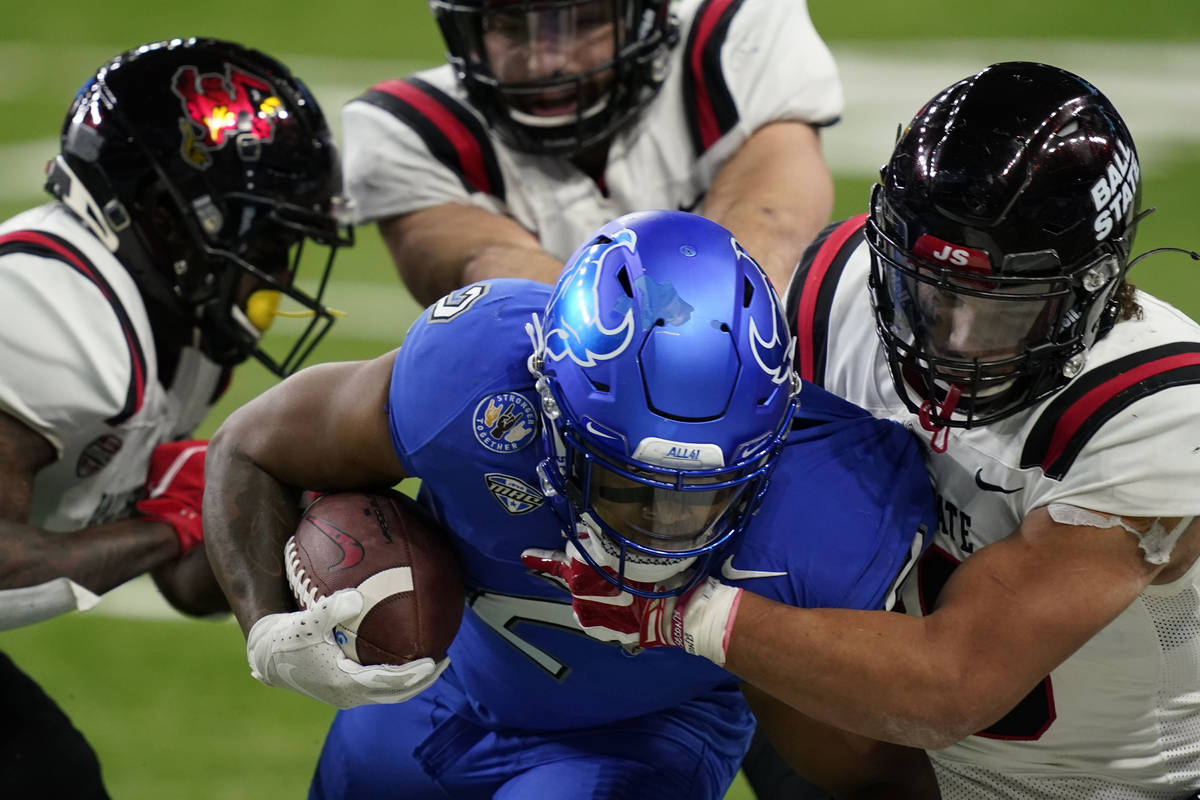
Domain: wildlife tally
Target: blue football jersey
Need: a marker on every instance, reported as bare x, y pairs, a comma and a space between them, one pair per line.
836, 528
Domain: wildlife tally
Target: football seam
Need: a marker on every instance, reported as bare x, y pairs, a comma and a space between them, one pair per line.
303, 588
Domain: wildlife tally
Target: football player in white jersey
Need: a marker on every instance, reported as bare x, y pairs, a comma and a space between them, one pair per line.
1051, 648
190, 174
1059, 405
553, 117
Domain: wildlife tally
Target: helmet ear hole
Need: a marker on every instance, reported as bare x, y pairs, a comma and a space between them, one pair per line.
626, 285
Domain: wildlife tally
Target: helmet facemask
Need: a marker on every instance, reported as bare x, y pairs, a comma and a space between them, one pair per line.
632, 520
555, 77
275, 244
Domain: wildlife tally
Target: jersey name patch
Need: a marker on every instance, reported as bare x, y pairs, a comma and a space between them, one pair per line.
513, 494
505, 422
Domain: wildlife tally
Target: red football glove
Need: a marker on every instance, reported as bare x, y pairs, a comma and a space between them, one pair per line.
175, 488
698, 621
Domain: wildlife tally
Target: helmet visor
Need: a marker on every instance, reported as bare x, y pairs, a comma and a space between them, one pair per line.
658, 517
983, 321
552, 60
955, 322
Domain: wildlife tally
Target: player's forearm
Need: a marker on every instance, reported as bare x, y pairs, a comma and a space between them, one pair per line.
775, 234
873, 673
248, 516
508, 261
100, 558
775, 195
446, 247
188, 584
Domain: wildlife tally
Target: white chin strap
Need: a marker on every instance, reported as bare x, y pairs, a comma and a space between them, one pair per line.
244, 322
77, 198
638, 566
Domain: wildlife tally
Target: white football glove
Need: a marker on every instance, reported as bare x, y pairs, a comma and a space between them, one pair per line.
297, 651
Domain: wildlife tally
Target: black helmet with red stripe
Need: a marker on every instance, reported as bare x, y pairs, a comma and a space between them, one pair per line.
205, 166
1000, 234
554, 77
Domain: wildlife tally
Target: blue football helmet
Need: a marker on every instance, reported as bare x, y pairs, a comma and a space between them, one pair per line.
664, 369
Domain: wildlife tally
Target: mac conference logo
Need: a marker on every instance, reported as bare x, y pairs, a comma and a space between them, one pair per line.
513, 494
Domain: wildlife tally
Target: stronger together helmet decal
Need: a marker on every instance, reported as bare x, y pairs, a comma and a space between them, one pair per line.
219, 107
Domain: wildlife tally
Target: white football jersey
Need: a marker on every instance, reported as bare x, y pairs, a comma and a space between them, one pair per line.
1119, 719
81, 369
417, 143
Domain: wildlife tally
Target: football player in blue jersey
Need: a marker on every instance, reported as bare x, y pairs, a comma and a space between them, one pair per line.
627, 434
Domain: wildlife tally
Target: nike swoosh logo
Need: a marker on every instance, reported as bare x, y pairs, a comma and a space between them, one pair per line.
593, 429
991, 487
731, 573
285, 672
352, 549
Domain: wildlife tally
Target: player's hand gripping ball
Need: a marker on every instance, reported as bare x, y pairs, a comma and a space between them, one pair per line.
402, 561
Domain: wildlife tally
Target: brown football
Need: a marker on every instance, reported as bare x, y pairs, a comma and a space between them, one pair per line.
389, 548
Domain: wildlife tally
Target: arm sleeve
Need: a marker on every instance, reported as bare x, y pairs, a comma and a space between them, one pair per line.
410, 145
66, 356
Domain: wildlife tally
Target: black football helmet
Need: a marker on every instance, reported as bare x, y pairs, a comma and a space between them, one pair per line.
520, 64
1000, 234
205, 167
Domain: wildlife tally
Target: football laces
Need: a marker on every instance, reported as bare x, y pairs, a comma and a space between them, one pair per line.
303, 588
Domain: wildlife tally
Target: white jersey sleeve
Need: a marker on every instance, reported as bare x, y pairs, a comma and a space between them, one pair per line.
1124, 438
81, 368
415, 143
69, 359
768, 39
1119, 718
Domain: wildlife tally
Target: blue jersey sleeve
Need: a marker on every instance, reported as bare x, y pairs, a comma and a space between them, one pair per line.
850, 507
468, 346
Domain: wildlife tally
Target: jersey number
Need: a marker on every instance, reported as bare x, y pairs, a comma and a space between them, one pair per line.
1031, 717
458, 302
503, 612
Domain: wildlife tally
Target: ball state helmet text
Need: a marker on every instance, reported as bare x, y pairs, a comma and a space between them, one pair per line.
555, 77
664, 368
1000, 233
205, 166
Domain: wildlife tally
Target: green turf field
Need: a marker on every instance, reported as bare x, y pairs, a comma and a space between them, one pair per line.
169, 704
